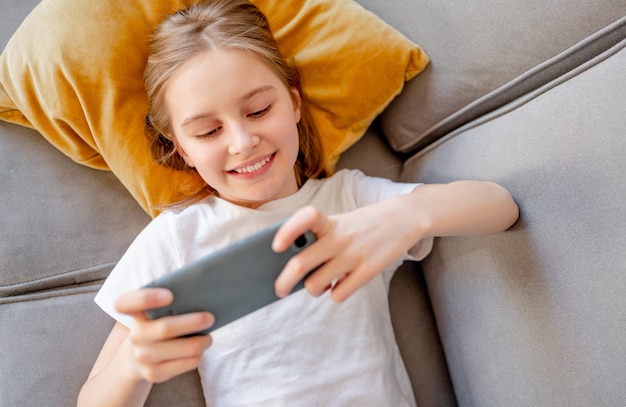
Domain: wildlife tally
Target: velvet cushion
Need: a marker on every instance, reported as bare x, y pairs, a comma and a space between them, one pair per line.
73, 71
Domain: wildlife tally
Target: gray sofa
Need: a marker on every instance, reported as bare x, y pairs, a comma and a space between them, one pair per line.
531, 94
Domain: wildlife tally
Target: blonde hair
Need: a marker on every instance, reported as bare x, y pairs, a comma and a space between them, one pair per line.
208, 25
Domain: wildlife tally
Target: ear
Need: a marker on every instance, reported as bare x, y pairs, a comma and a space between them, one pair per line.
297, 103
183, 154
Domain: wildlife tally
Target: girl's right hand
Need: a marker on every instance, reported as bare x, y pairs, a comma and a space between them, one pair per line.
159, 348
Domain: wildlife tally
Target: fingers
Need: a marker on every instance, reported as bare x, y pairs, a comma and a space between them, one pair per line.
343, 275
304, 220
180, 348
169, 369
347, 285
330, 256
298, 267
347, 253
161, 348
171, 327
339, 276
134, 303
161, 361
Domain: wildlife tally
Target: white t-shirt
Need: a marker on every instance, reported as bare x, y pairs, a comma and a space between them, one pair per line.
300, 350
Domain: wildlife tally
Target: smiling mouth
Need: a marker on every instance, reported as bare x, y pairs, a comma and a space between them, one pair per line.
254, 167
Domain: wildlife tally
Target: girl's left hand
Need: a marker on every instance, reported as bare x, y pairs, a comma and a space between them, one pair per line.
351, 248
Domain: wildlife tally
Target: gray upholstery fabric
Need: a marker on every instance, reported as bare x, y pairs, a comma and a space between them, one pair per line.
12, 13
372, 155
482, 52
418, 338
40, 340
62, 223
536, 316
49, 346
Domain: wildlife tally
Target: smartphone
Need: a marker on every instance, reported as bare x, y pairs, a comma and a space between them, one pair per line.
230, 282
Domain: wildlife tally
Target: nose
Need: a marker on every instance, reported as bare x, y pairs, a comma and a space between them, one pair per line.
242, 140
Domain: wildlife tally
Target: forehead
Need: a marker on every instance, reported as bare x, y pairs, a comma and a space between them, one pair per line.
223, 71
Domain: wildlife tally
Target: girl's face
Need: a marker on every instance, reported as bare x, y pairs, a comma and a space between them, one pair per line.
236, 123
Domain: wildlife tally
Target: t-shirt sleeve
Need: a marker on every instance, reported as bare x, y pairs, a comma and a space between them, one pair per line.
152, 254
370, 190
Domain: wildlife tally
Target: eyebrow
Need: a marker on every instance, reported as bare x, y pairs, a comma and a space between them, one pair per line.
246, 96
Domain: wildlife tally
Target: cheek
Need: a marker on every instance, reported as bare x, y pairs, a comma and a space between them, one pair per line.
204, 157
289, 132
285, 136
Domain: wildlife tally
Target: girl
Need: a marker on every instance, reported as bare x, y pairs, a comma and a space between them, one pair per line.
224, 103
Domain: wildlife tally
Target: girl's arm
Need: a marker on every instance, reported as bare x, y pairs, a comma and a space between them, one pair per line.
153, 351
353, 247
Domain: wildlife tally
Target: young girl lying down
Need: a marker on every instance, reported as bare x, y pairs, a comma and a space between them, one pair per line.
224, 102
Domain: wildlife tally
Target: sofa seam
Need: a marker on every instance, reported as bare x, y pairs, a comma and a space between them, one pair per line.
521, 100
62, 291
439, 131
65, 279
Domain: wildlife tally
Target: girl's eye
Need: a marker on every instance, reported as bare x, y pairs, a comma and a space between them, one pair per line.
260, 113
210, 133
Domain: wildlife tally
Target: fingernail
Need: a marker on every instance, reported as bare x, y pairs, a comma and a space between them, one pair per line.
277, 246
163, 295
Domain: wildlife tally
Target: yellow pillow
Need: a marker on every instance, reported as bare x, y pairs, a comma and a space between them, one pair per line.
73, 71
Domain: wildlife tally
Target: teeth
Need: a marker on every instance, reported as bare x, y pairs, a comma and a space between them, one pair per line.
251, 168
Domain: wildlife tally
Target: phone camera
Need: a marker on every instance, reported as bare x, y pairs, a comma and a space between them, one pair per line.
300, 242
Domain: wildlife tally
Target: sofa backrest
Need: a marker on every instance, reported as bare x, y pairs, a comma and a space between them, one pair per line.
486, 53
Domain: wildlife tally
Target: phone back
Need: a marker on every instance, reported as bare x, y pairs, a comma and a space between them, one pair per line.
230, 282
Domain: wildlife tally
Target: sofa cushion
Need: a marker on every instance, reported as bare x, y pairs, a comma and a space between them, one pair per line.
50, 344
418, 339
537, 315
485, 54
73, 71
62, 223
